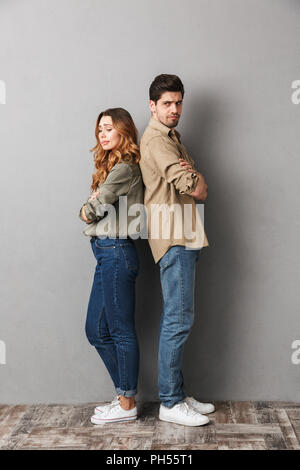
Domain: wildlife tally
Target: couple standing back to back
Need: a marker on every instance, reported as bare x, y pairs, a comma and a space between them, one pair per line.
157, 174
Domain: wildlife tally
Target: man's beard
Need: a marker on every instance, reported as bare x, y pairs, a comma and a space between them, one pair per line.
170, 123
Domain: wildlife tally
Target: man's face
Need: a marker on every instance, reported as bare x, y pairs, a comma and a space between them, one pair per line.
168, 108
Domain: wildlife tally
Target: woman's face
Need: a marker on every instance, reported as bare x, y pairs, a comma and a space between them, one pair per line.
108, 135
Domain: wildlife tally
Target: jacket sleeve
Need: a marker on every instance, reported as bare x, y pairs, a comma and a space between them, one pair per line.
163, 158
91, 217
116, 184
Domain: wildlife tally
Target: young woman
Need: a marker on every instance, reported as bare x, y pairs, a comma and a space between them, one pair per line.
110, 322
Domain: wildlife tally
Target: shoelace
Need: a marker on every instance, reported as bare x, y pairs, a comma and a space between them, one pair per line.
194, 402
114, 403
191, 401
110, 408
187, 409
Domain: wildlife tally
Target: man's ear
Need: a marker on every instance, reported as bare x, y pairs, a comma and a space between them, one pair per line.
152, 106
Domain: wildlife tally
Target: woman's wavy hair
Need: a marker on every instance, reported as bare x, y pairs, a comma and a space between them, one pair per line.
127, 150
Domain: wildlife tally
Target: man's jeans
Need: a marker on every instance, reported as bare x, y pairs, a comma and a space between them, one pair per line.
110, 322
177, 275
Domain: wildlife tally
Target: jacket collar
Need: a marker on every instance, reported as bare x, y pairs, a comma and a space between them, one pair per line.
154, 124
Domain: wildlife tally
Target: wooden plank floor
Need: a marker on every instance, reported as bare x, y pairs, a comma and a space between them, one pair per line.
234, 425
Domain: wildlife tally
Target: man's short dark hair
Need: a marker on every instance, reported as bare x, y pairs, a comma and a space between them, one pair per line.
162, 83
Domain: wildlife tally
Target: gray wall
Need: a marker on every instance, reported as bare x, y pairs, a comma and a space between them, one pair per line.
62, 63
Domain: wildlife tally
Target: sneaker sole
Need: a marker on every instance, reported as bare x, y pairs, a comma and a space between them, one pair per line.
114, 420
170, 420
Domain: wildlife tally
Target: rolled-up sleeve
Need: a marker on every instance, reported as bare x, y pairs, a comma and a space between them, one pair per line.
116, 184
163, 157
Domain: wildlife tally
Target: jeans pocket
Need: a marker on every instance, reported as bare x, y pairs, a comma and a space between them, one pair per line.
100, 245
164, 260
130, 256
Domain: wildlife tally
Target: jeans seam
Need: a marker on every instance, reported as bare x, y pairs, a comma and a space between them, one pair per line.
117, 307
98, 323
171, 365
126, 258
98, 326
181, 287
115, 297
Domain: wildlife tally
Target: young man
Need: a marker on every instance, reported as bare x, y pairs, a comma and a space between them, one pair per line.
171, 181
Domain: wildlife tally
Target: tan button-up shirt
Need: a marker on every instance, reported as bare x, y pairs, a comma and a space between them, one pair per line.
168, 184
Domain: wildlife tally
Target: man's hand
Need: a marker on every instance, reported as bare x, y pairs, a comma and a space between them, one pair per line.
203, 195
200, 192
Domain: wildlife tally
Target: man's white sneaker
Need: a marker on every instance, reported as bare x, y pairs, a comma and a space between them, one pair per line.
182, 413
202, 408
114, 413
101, 408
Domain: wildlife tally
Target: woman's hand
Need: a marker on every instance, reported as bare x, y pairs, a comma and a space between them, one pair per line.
94, 195
84, 216
82, 209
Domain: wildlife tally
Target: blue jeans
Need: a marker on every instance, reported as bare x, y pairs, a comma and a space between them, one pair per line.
177, 276
110, 322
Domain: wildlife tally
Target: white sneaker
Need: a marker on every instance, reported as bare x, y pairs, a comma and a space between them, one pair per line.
114, 413
101, 408
182, 413
202, 408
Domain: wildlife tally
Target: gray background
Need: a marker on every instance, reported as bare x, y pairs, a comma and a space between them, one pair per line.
65, 61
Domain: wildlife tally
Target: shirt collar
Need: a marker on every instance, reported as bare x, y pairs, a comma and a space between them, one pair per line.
161, 127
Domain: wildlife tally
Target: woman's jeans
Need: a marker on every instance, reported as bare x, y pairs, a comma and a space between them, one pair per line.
177, 276
110, 322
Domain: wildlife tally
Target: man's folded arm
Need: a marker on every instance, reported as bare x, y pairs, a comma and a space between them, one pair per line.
164, 158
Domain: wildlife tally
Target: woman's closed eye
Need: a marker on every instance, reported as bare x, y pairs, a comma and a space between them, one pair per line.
108, 130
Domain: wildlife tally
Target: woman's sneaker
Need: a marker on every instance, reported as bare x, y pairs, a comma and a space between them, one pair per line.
114, 413
101, 408
182, 413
